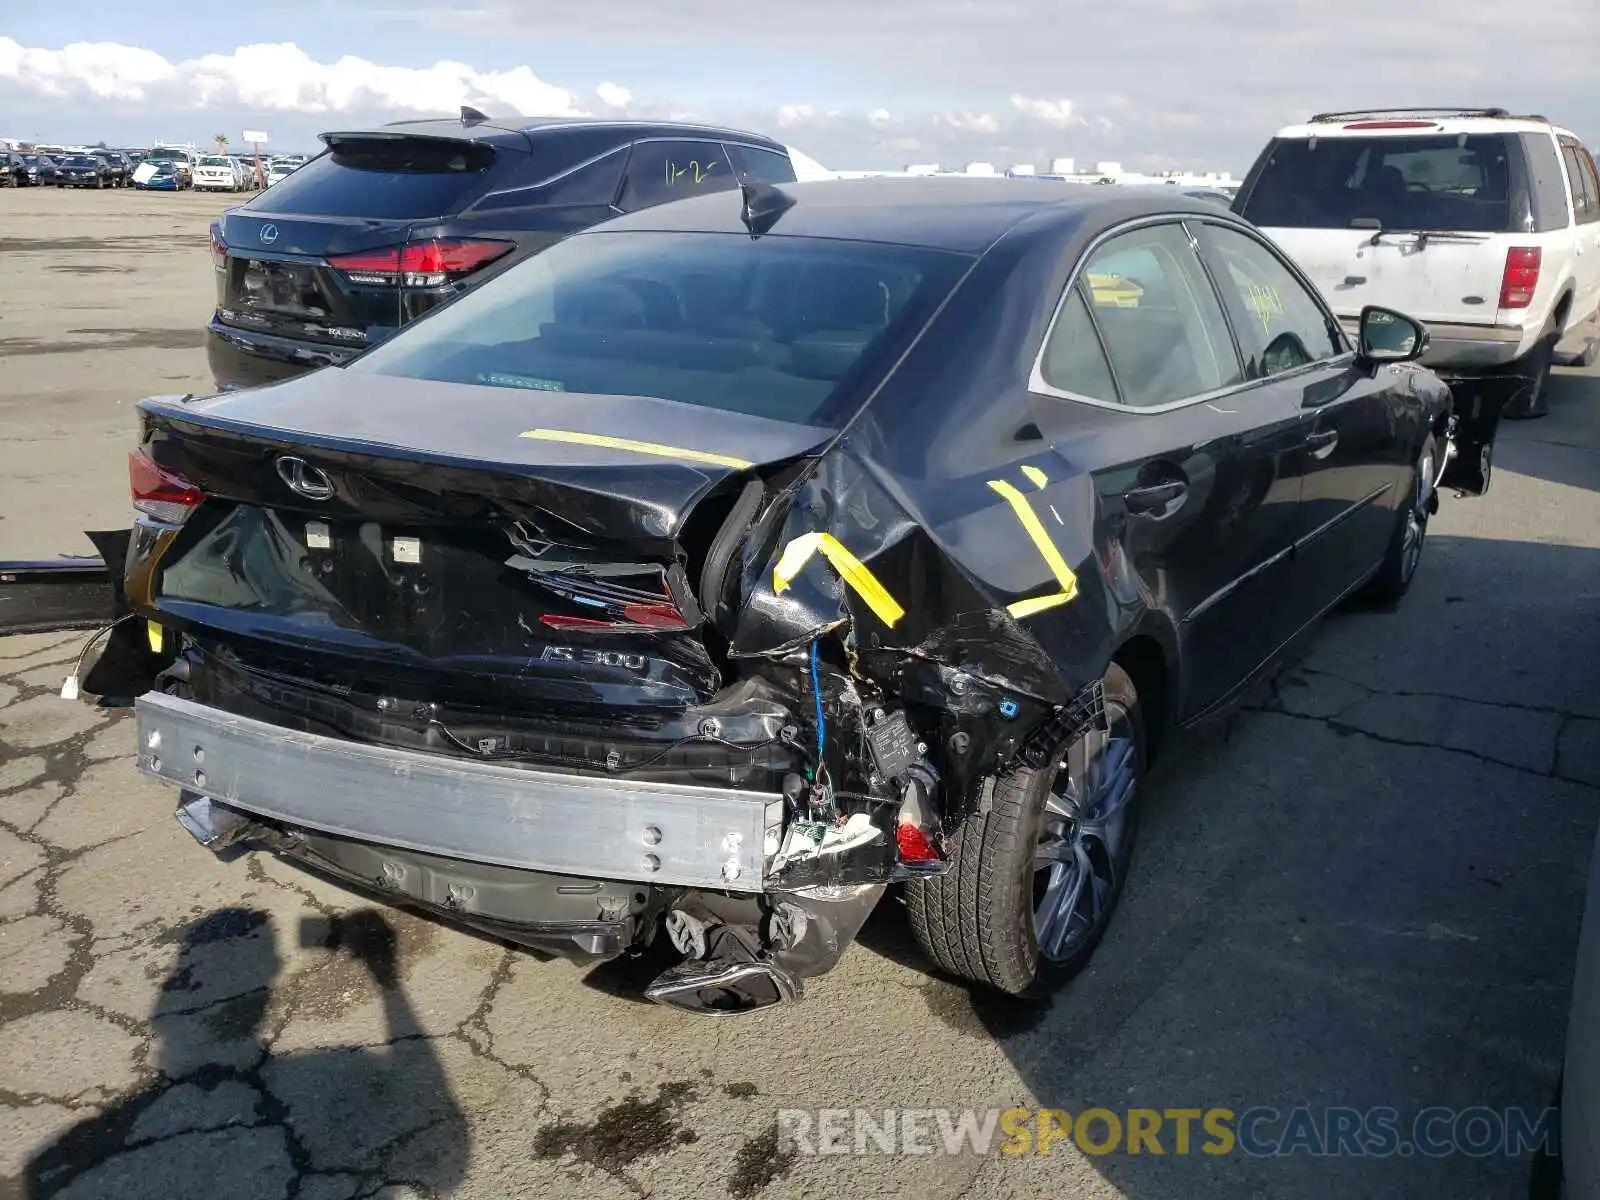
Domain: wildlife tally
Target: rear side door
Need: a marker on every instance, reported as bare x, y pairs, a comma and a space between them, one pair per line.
1189, 460
1585, 192
1359, 432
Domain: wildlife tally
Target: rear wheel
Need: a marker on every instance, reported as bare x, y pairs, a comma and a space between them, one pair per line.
1033, 883
1531, 381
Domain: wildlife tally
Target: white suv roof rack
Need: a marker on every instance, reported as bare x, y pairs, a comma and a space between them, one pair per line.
1503, 114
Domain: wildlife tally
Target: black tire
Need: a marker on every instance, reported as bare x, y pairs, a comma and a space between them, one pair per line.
1530, 381
1400, 560
977, 920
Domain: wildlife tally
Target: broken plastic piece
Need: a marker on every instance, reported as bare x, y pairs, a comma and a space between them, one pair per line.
69, 688
814, 839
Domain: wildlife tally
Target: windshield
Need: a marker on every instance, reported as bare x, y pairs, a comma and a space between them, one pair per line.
1458, 182
212, 160
78, 160
777, 327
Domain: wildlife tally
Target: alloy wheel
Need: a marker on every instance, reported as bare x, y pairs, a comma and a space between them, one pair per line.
1082, 837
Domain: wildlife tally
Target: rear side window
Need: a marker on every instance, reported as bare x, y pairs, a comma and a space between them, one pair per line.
1458, 182
784, 327
397, 177
755, 165
659, 171
1160, 318
1585, 203
1074, 360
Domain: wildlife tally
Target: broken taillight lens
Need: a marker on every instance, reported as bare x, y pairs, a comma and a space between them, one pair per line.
914, 844
158, 493
420, 264
1521, 279
631, 618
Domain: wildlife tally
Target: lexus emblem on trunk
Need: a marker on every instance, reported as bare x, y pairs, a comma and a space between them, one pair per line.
269, 234
311, 482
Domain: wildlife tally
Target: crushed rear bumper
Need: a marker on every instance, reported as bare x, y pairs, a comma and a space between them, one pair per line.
534, 820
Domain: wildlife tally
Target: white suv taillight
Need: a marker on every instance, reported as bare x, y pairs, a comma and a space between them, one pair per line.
158, 493
1521, 278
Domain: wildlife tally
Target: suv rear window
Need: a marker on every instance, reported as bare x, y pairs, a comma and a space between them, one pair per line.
1435, 181
780, 327
383, 177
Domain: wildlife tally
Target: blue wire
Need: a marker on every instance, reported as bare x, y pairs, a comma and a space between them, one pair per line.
816, 691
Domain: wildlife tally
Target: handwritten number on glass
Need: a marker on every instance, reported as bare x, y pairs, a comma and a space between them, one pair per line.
695, 173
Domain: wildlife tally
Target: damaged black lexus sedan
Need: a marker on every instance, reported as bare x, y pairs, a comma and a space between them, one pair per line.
725, 565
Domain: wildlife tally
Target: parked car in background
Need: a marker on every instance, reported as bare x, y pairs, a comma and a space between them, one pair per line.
83, 170
1483, 224
120, 169
218, 173
13, 170
280, 169
164, 176
724, 563
386, 224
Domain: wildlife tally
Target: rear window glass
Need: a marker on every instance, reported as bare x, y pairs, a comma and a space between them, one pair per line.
1435, 181
777, 327
383, 177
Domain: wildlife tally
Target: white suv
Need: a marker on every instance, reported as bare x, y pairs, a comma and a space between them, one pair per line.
217, 172
1483, 225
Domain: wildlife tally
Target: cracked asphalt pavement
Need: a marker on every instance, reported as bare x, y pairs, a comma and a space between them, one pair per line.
1365, 891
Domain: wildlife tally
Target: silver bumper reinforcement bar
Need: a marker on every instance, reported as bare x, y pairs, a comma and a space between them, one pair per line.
540, 820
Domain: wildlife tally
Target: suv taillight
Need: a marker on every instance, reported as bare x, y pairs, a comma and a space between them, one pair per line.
420, 264
219, 250
1521, 277
158, 493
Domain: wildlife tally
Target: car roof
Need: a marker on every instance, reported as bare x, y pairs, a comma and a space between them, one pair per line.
967, 215
1419, 122
521, 133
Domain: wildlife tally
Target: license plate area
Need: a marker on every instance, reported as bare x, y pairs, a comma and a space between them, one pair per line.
274, 286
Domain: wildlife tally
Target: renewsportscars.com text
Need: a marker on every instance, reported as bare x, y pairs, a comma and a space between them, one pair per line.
1257, 1132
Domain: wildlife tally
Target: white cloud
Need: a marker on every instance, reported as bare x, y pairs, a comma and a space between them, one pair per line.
969, 122
282, 77
613, 95
790, 115
1062, 114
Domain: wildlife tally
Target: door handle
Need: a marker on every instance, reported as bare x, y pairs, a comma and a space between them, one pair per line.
1322, 441
1156, 500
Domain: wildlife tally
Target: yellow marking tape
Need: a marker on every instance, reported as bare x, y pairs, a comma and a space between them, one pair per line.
615, 443
153, 635
1047, 550
851, 569
1038, 477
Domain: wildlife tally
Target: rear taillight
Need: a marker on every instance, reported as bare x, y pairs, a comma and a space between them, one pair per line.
160, 494
219, 251
1521, 277
420, 264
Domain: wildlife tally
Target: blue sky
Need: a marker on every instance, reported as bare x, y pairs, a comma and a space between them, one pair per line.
1192, 83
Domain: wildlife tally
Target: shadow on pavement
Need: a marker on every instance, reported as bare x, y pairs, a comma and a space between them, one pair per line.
1563, 447
217, 1121
1366, 893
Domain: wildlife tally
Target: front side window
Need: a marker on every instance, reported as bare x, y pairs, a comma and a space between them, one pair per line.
1157, 316
775, 327
1284, 321
659, 171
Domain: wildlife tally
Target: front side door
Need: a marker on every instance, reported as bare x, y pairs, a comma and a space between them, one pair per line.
1359, 435
1188, 450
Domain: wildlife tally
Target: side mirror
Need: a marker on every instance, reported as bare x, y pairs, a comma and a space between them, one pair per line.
1387, 336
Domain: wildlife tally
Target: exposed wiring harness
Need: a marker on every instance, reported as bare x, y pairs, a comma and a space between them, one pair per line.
69, 687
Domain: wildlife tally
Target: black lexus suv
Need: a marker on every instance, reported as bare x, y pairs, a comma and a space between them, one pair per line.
387, 223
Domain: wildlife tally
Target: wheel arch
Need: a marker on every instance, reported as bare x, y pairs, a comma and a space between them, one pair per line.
1149, 656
